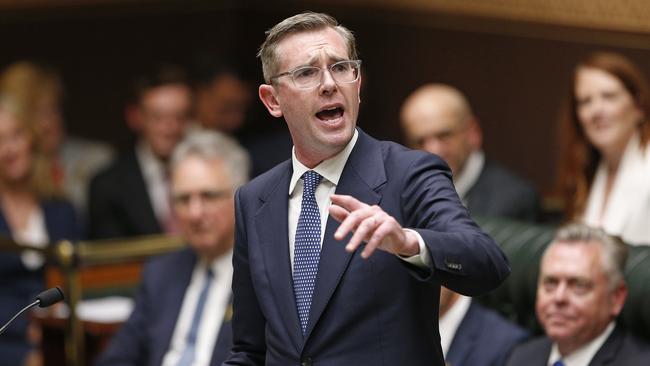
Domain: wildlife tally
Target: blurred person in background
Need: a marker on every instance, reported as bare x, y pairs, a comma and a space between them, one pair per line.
605, 177
437, 118
131, 196
473, 335
222, 98
223, 103
170, 325
32, 212
37, 92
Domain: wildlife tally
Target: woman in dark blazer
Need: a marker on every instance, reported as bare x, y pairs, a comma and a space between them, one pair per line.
30, 213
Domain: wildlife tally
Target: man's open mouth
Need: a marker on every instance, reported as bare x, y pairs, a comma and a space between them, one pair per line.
330, 113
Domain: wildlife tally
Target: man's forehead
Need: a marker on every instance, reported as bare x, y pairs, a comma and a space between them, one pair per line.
578, 259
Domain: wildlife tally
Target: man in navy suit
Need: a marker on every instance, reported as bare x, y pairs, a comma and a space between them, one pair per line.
438, 118
171, 325
473, 335
580, 292
388, 226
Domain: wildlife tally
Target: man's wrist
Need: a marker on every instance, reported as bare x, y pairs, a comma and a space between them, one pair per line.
412, 246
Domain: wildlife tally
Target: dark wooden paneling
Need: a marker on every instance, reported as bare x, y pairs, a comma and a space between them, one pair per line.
516, 80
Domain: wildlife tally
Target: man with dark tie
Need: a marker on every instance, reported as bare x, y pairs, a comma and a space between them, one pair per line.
341, 250
580, 292
182, 310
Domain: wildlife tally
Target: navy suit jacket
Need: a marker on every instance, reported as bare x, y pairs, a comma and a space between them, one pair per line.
499, 192
379, 311
484, 338
20, 285
620, 348
146, 336
118, 202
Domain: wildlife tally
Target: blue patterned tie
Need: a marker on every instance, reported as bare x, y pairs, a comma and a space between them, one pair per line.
558, 363
187, 357
307, 248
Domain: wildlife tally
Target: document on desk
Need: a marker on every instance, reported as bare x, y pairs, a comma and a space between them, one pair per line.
111, 309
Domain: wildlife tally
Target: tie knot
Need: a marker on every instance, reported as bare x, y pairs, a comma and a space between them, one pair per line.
558, 363
311, 179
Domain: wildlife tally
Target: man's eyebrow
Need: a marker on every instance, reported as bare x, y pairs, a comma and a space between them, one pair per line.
315, 58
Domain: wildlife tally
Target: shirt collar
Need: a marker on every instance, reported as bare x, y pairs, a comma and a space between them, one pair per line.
583, 355
467, 177
151, 166
330, 169
217, 265
450, 321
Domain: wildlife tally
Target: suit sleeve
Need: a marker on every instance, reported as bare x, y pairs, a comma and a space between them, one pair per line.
129, 346
465, 259
248, 321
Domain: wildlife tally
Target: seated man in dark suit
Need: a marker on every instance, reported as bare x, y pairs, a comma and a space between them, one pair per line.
581, 290
182, 310
472, 335
131, 196
437, 118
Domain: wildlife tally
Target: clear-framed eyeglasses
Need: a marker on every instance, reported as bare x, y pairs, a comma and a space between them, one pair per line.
307, 77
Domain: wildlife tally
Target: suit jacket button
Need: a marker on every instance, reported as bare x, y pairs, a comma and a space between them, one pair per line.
306, 362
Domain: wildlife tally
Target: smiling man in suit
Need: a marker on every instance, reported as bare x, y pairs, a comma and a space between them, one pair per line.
340, 251
580, 292
182, 312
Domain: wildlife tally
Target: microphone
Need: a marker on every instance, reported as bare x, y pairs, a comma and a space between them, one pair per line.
44, 299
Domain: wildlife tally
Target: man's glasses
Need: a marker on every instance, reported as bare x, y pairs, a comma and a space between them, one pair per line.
307, 77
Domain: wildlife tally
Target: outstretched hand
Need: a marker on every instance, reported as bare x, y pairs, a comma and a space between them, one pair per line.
373, 225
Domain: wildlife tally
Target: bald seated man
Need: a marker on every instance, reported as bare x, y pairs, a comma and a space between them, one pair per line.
438, 118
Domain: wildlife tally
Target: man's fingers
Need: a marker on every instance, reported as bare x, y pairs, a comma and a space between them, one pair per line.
378, 235
338, 213
347, 202
363, 231
350, 223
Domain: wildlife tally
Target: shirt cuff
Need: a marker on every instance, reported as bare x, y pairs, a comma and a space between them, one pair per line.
421, 260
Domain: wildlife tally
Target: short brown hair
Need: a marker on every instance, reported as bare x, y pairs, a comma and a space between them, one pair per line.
303, 22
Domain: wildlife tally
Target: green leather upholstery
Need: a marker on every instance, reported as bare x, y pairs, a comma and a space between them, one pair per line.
524, 244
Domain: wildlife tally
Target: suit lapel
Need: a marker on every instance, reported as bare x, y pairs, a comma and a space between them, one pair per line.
137, 197
607, 352
173, 300
273, 231
362, 175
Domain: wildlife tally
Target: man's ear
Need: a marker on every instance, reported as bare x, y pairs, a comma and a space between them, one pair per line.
267, 96
475, 134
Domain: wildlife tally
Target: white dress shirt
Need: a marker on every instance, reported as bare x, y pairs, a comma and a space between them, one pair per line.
450, 322
627, 210
583, 355
34, 234
467, 177
215, 307
331, 170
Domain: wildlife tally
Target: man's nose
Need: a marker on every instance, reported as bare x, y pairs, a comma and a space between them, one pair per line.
561, 292
195, 207
328, 84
